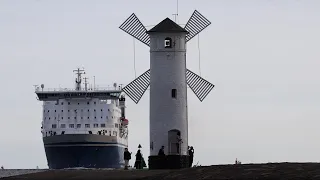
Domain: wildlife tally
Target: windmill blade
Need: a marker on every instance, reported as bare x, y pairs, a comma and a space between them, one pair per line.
196, 24
135, 28
198, 85
138, 87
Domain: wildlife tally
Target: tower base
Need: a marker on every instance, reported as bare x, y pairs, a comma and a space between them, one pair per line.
169, 162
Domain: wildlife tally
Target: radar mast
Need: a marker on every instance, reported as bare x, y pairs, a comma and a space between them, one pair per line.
79, 72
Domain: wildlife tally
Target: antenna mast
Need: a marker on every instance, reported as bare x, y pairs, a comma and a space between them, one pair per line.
176, 15
79, 72
85, 83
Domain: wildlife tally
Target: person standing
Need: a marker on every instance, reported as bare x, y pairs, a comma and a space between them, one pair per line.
138, 163
191, 154
161, 151
127, 157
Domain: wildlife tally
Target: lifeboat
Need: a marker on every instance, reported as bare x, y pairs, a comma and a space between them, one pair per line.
124, 121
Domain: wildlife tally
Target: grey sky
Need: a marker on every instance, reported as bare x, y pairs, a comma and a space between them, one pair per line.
262, 56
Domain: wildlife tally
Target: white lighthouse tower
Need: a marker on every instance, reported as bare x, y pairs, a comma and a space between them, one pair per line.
168, 89
168, 78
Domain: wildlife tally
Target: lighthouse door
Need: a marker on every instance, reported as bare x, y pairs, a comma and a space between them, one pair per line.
174, 142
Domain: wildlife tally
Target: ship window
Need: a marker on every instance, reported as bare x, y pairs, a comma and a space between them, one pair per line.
112, 117
87, 125
115, 133
68, 117
49, 118
48, 110
88, 110
78, 125
54, 126
63, 126
78, 103
55, 110
101, 117
174, 93
95, 125
68, 110
71, 125
61, 117
81, 117
61, 110
108, 109
116, 125
81, 110
95, 117
68, 103
167, 42
102, 125
88, 103
94, 110
101, 109
55, 117
75, 117
107, 117
88, 117
45, 118
94, 102
62, 103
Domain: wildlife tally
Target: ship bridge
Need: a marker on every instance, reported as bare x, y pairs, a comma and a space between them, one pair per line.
56, 94
79, 92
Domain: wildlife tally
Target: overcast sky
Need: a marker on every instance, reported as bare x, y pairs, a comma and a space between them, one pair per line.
263, 57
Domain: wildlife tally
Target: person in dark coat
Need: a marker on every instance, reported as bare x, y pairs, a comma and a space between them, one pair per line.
127, 157
161, 151
138, 164
191, 153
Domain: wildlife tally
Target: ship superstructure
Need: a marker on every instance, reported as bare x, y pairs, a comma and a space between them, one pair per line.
83, 127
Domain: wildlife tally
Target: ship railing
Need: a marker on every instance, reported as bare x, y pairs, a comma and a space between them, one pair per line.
75, 90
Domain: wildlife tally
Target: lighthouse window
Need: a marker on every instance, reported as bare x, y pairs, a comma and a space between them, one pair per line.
167, 42
54, 126
174, 93
63, 126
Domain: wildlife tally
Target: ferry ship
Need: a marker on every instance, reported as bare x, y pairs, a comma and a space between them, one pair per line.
83, 127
